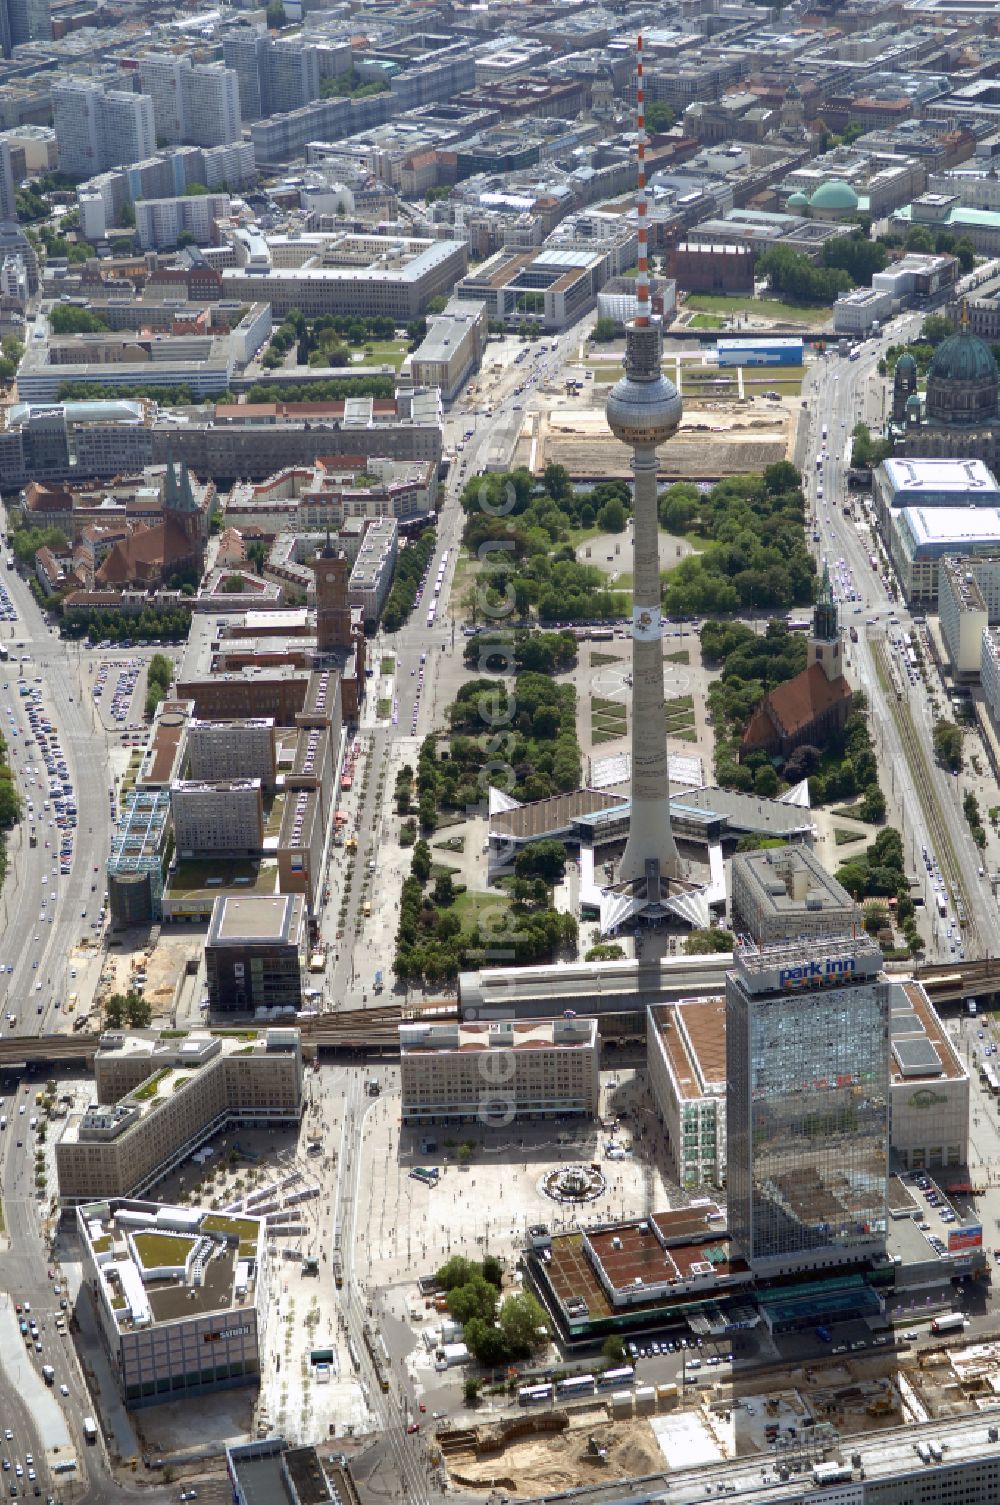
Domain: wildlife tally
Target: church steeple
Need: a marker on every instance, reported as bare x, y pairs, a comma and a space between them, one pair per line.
825, 643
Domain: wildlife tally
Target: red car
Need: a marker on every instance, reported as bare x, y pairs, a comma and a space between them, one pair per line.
414, 1426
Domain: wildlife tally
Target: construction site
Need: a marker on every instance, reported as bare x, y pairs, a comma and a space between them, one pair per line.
717, 437
804, 1416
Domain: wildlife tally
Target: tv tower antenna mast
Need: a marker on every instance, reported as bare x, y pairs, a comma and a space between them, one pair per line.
644, 410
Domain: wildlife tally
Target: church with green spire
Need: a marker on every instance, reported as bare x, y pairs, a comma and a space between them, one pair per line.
811, 708
826, 644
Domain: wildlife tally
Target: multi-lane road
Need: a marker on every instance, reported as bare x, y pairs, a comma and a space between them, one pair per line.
923, 796
42, 951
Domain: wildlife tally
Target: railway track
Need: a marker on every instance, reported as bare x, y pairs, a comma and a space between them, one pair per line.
923, 783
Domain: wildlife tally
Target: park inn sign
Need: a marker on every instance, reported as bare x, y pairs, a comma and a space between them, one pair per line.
815, 974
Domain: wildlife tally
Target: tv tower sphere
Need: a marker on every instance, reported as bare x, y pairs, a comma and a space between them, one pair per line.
644, 407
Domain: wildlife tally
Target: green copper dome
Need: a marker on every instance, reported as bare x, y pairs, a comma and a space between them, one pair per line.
963, 357
906, 363
835, 195
797, 201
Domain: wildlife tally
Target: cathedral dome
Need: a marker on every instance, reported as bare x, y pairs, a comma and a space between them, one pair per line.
835, 196
962, 383
963, 357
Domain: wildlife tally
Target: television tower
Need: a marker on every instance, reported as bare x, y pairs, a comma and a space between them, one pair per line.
644, 410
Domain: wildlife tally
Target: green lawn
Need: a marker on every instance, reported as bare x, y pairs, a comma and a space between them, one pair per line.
598, 660
783, 379
705, 321
682, 656
192, 875
384, 353
471, 905
384, 708
843, 837
387, 664
765, 308
155, 1249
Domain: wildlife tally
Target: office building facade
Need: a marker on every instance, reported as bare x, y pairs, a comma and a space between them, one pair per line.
807, 1107
498, 1072
783, 893
227, 816
181, 1297
8, 203
232, 750
159, 1100
255, 951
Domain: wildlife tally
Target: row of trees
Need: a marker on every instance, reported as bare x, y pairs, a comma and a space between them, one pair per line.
754, 553
10, 802
410, 567
165, 397
117, 627
947, 740
334, 389
159, 676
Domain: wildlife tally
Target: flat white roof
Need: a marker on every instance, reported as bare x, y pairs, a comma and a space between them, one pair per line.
960, 525
939, 475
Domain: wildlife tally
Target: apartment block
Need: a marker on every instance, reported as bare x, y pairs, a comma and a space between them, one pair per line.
372, 571
212, 106
217, 816
686, 1062
159, 223
498, 1072
243, 749
195, 103
255, 952
181, 1296
158, 1100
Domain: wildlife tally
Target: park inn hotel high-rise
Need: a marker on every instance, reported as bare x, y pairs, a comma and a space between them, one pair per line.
807, 1059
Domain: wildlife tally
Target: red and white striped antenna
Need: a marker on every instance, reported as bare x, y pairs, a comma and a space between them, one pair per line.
642, 276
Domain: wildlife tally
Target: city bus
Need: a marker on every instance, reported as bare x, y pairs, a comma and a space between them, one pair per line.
534, 1395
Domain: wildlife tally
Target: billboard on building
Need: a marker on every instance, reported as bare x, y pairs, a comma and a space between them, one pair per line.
969, 1237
